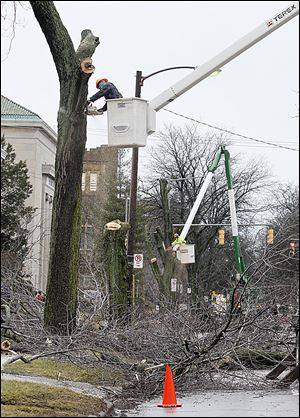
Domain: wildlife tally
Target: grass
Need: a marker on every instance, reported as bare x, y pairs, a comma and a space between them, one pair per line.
51, 368
19, 399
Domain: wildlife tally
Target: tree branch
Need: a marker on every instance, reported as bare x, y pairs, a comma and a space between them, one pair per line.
62, 51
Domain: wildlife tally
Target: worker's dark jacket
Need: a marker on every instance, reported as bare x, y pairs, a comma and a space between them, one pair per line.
109, 91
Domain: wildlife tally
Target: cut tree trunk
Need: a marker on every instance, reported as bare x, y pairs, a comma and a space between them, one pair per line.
117, 268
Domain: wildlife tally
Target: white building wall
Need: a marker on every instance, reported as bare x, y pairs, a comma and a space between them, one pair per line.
36, 145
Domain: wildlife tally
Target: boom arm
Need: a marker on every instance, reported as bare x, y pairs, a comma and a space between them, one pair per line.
202, 72
200, 196
240, 267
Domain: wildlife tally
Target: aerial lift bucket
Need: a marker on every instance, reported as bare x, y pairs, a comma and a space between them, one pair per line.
186, 253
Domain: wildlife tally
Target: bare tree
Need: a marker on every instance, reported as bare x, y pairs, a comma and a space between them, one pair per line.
280, 270
183, 158
10, 21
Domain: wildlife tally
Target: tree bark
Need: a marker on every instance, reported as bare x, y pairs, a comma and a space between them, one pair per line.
117, 268
163, 241
61, 295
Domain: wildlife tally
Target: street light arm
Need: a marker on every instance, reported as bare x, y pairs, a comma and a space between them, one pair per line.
161, 71
237, 48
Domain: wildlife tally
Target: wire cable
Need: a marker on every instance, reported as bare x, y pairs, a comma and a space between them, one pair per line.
232, 133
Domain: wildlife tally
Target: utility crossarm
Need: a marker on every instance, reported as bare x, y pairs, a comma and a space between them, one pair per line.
240, 267
216, 63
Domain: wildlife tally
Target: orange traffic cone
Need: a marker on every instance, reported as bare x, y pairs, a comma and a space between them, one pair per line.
169, 396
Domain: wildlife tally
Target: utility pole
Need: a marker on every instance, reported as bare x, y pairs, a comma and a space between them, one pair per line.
133, 199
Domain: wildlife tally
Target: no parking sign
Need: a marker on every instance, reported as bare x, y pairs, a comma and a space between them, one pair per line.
138, 261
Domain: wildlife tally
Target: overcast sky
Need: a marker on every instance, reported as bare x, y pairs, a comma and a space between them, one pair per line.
255, 95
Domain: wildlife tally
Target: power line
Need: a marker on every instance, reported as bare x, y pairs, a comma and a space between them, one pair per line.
230, 132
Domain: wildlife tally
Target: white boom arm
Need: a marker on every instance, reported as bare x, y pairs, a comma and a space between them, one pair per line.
200, 73
196, 206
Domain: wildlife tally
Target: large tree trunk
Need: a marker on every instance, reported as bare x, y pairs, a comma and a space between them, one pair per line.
170, 265
61, 296
117, 268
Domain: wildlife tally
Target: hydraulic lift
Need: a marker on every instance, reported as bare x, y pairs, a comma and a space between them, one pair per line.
180, 240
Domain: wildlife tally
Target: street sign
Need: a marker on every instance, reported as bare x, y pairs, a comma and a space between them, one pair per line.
138, 261
173, 285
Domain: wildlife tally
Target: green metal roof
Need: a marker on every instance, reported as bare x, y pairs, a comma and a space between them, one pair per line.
13, 111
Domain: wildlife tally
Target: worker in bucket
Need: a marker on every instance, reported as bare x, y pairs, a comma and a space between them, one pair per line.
177, 242
107, 90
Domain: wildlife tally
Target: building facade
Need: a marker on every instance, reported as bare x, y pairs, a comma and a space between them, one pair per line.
99, 175
35, 143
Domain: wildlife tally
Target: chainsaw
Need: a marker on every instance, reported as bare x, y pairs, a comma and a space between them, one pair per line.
92, 110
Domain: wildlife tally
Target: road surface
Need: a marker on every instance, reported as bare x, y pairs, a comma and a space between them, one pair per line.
268, 403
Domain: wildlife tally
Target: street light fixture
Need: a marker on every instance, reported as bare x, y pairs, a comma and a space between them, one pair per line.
216, 73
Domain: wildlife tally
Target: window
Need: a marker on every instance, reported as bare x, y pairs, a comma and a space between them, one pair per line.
93, 182
51, 182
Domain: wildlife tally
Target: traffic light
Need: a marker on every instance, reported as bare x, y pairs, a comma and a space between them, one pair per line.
270, 236
292, 249
221, 238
